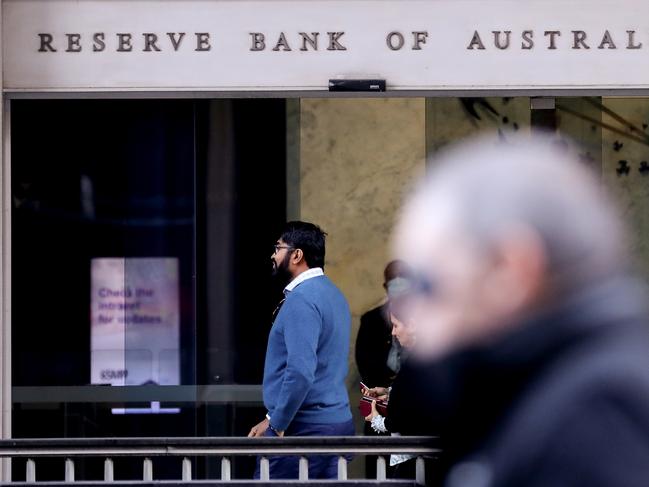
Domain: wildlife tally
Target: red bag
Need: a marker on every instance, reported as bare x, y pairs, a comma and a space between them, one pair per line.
365, 406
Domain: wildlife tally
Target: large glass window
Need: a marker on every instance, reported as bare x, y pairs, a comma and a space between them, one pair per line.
141, 288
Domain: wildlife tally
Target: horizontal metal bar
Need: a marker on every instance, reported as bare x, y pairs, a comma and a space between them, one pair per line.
234, 442
390, 93
82, 452
253, 451
213, 394
238, 483
304, 451
216, 447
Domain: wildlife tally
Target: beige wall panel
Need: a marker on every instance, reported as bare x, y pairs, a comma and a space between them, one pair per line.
357, 159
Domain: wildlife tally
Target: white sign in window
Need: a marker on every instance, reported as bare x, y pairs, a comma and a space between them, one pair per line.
135, 320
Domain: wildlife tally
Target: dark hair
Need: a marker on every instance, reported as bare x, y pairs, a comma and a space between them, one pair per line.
309, 238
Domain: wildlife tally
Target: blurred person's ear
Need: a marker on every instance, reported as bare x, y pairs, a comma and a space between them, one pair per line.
518, 276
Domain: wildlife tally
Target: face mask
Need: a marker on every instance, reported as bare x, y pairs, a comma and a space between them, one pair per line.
399, 286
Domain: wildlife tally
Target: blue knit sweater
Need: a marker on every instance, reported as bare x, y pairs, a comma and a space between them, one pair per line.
306, 358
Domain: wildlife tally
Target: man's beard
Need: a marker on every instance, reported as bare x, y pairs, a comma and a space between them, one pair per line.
281, 272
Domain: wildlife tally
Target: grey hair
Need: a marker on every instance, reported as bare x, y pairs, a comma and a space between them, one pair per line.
533, 182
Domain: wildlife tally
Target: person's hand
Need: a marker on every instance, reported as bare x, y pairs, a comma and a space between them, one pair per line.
373, 414
259, 429
380, 393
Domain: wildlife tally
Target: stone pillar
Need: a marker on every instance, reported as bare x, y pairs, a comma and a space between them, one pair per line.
358, 159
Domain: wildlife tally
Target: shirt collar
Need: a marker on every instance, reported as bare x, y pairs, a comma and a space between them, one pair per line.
306, 275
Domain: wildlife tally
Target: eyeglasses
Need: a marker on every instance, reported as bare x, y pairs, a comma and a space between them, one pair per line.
278, 247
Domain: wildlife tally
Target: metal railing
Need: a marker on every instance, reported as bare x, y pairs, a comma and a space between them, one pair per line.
75, 449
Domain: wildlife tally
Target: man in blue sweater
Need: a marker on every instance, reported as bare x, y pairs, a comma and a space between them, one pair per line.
307, 353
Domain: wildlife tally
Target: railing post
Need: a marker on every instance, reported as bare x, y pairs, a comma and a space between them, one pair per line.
420, 469
342, 468
264, 469
108, 470
187, 469
30, 473
304, 469
69, 470
147, 470
380, 469
226, 469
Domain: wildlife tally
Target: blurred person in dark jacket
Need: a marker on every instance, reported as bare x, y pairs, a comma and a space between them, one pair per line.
377, 351
398, 419
533, 331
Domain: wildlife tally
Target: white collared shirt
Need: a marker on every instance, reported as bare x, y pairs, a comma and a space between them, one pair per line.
306, 275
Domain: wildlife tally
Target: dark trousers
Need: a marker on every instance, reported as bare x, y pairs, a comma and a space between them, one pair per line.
320, 466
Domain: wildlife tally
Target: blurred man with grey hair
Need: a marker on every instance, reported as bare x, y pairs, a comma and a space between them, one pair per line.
534, 334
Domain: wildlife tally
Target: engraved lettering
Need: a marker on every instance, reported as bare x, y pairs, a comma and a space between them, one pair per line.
282, 43
553, 35
476, 42
395, 46
334, 44
150, 42
175, 41
74, 44
608, 41
579, 40
46, 43
312, 41
528, 42
258, 41
632, 44
202, 41
419, 38
98, 42
498, 42
124, 43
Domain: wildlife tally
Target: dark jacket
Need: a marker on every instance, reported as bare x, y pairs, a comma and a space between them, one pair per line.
373, 345
405, 415
562, 400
